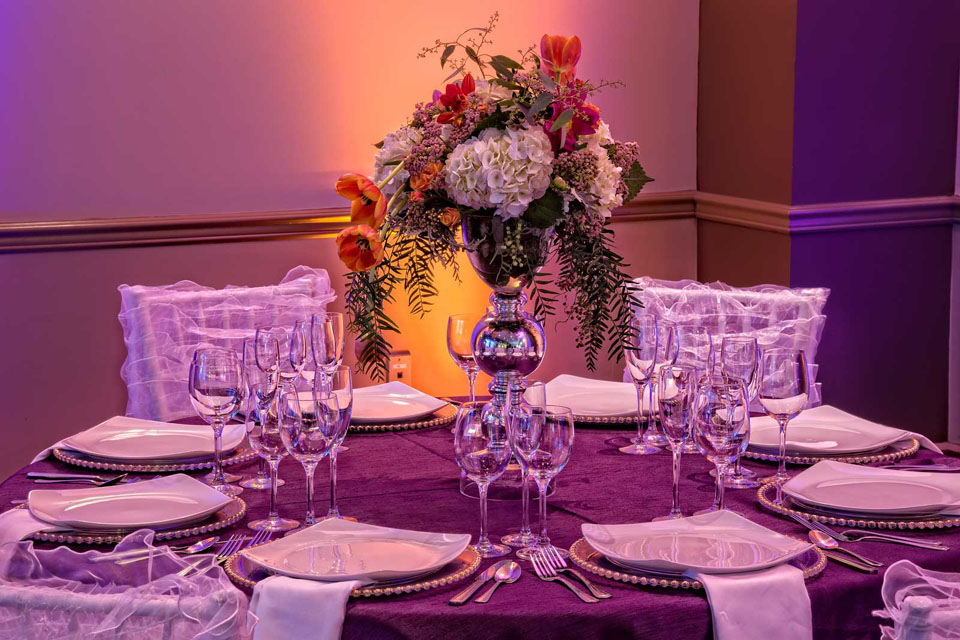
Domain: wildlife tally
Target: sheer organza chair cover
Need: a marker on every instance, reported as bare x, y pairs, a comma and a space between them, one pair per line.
61, 594
922, 604
776, 316
163, 326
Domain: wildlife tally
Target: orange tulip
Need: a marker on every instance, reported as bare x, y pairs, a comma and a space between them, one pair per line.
359, 247
422, 181
559, 55
369, 205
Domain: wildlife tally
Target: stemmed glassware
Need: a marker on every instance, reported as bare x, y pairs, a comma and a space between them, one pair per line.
308, 428
676, 389
721, 427
694, 349
641, 355
783, 387
460, 346
326, 339
534, 397
339, 382
301, 351
263, 433
740, 361
262, 389
542, 438
215, 382
667, 349
483, 452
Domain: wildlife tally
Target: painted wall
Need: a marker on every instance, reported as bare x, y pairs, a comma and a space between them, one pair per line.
741, 257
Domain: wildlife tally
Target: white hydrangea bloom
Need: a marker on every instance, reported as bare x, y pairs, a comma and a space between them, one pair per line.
601, 137
396, 146
603, 197
502, 170
491, 91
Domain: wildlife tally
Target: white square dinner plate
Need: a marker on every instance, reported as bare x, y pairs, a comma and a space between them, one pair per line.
824, 430
858, 489
592, 398
718, 542
336, 550
162, 502
122, 438
391, 402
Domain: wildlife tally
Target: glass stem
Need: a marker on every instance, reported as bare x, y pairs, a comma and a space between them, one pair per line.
482, 541
782, 467
525, 523
472, 381
721, 472
640, 420
262, 471
542, 485
218, 480
334, 510
311, 517
677, 451
737, 473
274, 468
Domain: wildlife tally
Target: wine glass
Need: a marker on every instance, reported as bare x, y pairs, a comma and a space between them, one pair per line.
326, 339
215, 383
533, 396
721, 427
263, 433
542, 438
676, 389
483, 452
308, 427
667, 348
301, 354
740, 360
339, 382
641, 355
783, 387
694, 348
262, 388
460, 346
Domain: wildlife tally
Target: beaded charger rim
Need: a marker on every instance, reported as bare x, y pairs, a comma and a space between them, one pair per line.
896, 451
242, 455
853, 520
228, 516
443, 415
583, 555
632, 419
459, 569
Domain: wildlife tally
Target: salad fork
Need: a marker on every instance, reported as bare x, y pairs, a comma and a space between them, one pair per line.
548, 574
559, 563
861, 536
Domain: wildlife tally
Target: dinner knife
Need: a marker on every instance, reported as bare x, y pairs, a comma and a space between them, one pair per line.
464, 596
853, 564
45, 475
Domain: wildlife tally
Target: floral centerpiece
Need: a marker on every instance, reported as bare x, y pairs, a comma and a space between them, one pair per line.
518, 147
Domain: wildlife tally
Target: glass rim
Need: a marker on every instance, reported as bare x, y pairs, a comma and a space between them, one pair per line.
779, 351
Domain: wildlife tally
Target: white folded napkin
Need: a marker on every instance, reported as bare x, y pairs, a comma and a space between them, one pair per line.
295, 608
759, 605
17, 524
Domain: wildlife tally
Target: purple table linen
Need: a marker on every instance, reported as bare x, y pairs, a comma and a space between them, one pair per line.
410, 480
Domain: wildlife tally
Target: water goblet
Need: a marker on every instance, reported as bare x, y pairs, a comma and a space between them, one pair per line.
263, 433
460, 346
534, 396
215, 384
721, 428
740, 360
667, 348
339, 382
326, 340
641, 355
261, 388
676, 388
483, 452
783, 387
542, 438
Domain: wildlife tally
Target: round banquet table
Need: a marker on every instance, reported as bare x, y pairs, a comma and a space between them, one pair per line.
410, 480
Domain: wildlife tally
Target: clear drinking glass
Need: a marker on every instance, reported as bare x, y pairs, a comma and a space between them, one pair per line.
534, 396
300, 353
308, 428
721, 427
695, 349
263, 433
339, 382
543, 442
460, 346
667, 348
740, 360
641, 355
783, 388
262, 388
676, 389
483, 452
326, 340
215, 382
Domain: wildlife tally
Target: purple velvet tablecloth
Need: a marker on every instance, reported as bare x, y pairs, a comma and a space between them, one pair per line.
410, 480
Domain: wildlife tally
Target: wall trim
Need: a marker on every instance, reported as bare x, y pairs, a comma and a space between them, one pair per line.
873, 214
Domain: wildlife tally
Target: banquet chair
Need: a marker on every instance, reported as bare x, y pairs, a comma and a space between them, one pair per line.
164, 325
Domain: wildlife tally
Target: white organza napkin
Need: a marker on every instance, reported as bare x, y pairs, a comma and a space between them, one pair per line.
922, 604
759, 605
17, 524
295, 608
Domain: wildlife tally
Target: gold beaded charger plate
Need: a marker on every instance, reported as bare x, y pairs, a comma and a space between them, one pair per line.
246, 574
228, 516
589, 559
442, 416
767, 494
892, 453
241, 455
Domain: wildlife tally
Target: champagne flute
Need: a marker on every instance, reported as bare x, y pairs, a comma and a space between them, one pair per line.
533, 396
783, 388
263, 433
694, 348
641, 355
215, 384
308, 426
261, 388
721, 427
676, 389
740, 360
339, 382
667, 348
326, 339
460, 346
483, 452
542, 438
301, 355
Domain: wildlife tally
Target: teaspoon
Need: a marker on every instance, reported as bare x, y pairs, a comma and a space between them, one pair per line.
824, 541
509, 572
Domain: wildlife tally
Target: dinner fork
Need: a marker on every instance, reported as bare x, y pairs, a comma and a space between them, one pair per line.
860, 536
559, 563
548, 574
97, 483
231, 546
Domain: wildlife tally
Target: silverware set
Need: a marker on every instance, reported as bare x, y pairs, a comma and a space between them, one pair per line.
234, 544
42, 477
551, 564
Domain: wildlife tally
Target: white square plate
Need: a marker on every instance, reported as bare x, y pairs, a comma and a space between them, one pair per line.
391, 402
719, 542
130, 439
593, 398
824, 430
163, 502
337, 550
868, 490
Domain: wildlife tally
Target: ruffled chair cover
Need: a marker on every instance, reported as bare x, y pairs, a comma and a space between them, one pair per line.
163, 326
776, 316
921, 604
